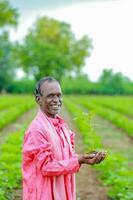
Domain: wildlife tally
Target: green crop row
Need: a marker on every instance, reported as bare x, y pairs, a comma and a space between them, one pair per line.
116, 118
10, 163
7, 101
124, 105
114, 171
10, 159
14, 112
91, 139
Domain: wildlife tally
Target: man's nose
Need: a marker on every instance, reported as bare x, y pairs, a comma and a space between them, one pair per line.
56, 98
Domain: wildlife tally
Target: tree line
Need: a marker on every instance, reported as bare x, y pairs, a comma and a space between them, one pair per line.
109, 83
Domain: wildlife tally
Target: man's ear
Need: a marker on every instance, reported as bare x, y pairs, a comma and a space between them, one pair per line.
38, 100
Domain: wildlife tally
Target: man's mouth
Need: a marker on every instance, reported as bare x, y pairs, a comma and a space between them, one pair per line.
56, 107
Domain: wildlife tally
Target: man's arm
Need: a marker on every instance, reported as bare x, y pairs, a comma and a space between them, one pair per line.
38, 151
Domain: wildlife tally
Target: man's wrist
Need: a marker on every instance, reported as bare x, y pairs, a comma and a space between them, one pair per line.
80, 159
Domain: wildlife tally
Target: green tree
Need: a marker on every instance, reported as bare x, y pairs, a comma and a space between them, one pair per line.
23, 85
8, 15
113, 83
50, 48
7, 65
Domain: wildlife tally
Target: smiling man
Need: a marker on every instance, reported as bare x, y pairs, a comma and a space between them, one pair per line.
49, 160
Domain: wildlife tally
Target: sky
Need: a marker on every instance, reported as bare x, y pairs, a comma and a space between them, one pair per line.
107, 22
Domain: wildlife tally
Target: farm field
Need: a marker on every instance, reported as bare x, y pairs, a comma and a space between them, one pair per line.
11, 134
121, 104
109, 130
95, 121
96, 104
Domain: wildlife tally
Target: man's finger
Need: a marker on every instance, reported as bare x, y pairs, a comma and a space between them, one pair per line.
89, 156
100, 158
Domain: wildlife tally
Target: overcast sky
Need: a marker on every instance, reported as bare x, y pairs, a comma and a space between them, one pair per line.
108, 23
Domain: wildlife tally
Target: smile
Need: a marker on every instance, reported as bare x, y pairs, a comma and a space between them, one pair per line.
55, 106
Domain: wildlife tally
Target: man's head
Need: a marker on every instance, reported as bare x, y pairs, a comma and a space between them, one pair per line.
49, 96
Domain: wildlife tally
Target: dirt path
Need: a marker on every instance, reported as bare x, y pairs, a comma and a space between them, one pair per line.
88, 187
16, 125
114, 138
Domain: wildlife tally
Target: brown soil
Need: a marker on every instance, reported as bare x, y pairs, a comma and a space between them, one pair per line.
114, 138
88, 187
15, 126
17, 194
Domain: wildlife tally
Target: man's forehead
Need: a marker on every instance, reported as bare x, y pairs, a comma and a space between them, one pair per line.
51, 86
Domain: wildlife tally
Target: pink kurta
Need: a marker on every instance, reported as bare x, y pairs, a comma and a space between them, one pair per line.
49, 162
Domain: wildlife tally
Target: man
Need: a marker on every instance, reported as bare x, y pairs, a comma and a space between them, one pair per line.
49, 160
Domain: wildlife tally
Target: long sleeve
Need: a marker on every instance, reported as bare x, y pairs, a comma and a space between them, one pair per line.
72, 136
61, 167
39, 151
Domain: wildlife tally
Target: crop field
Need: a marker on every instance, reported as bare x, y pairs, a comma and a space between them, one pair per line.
104, 122
116, 172
11, 108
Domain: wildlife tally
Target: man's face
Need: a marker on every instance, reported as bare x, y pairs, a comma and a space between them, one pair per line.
51, 99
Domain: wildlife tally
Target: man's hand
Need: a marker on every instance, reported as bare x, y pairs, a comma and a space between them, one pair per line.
92, 158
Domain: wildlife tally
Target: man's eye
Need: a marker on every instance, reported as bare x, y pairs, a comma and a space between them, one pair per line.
50, 95
59, 95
